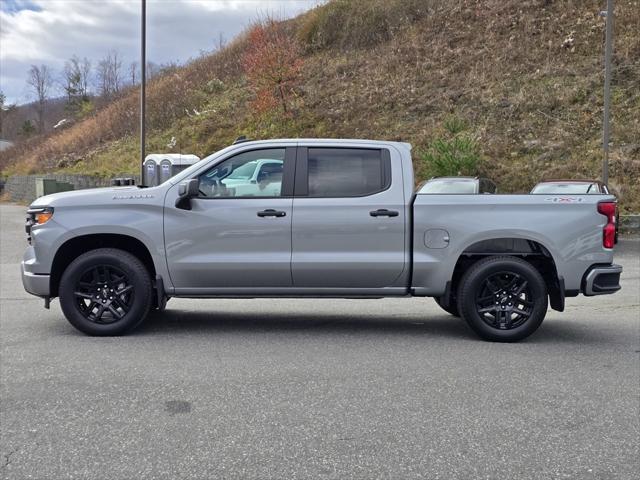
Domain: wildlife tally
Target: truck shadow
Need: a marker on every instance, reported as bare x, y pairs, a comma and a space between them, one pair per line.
173, 321
552, 331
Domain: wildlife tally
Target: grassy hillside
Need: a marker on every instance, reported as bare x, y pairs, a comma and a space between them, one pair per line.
521, 80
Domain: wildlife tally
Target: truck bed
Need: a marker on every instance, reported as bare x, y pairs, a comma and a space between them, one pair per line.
569, 228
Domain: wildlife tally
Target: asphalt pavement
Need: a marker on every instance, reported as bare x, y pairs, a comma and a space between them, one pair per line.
318, 389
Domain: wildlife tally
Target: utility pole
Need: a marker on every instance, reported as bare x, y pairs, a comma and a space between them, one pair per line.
143, 81
607, 89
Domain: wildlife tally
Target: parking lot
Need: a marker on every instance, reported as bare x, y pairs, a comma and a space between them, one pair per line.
282, 388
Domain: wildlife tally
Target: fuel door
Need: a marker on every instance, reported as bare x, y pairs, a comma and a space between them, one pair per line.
436, 238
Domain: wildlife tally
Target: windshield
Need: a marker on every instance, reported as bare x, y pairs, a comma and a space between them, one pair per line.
449, 186
244, 172
569, 188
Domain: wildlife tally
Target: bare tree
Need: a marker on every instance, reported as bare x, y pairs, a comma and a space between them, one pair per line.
153, 69
109, 74
70, 79
102, 78
220, 44
85, 74
5, 110
116, 69
77, 72
3, 98
75, 77
133, 71
40, 81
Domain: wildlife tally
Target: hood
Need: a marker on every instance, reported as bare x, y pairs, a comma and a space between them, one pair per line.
97, 196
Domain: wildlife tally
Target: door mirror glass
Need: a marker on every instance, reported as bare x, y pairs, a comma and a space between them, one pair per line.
188, 188
186, 191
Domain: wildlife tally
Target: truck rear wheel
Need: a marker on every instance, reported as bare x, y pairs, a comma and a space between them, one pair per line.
105, 292
503, 299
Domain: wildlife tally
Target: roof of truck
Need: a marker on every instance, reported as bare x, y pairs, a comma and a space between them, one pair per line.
328, 141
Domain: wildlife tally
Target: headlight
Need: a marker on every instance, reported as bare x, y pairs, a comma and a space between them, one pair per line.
37, 216
40, 215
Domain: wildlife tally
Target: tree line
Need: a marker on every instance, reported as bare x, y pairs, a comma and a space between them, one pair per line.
272, 62
81, 82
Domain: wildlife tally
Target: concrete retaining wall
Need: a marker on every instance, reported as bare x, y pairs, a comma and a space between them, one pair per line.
22, 188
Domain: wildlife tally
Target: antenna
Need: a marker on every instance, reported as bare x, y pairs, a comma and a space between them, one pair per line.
241, 139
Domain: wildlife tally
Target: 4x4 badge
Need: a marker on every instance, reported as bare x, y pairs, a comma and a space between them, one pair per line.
564, 199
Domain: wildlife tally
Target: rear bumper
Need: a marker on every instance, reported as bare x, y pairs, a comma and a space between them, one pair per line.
34, 283
602, 280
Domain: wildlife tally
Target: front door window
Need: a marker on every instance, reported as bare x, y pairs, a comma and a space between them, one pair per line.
257, 173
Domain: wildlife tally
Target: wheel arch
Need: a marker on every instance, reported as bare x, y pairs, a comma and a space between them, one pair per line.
76, 246
530, 250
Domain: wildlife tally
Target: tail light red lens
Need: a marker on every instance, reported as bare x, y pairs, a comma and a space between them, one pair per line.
608, 209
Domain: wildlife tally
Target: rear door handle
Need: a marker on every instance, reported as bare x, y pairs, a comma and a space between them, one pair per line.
383, 212
270, 212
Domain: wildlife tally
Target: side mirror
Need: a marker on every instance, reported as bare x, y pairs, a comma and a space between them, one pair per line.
186, 191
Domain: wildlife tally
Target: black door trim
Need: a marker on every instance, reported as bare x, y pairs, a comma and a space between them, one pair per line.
302, 173
288, 172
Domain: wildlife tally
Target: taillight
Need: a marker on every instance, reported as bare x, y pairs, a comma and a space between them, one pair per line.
608, 209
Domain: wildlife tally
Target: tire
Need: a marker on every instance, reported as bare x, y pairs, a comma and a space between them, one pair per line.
105, 292
503, 299
451, 309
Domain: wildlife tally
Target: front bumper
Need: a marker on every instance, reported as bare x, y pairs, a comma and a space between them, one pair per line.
602, 280
35, 283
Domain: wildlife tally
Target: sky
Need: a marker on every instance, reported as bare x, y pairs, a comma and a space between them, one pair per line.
51, 31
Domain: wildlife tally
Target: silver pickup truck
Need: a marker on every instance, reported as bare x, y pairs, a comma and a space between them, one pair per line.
316, 218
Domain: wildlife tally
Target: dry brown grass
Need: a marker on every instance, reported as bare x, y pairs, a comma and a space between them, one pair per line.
501, 66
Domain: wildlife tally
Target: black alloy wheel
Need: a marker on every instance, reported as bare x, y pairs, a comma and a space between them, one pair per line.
104, 294
503, 298
106, 291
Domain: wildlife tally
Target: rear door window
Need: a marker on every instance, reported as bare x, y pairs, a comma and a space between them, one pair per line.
346, 172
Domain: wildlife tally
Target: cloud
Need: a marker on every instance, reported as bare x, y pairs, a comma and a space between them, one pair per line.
51, 31
12, 6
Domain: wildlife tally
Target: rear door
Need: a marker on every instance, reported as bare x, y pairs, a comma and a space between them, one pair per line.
348, 228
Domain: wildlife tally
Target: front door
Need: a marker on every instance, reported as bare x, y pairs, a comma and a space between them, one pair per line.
348, 219
238, 231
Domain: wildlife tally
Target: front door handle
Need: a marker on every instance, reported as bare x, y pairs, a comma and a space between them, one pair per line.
383, 212
270, 212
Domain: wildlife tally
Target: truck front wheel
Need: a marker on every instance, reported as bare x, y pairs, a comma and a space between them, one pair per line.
503, 299
105, 292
